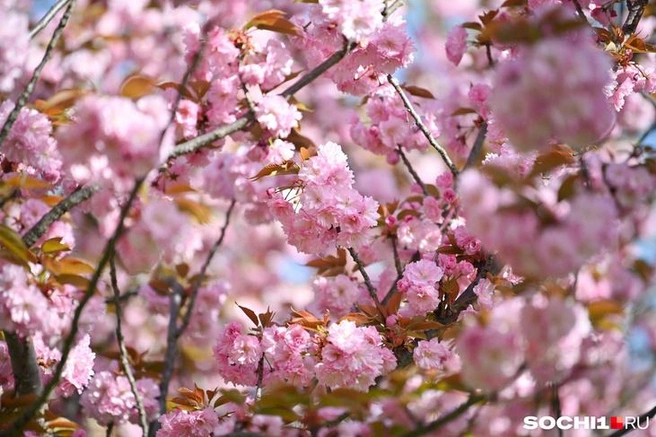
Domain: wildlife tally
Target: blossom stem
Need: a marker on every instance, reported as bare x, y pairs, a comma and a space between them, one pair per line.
437, 424
478, 146
367, 280
41, 227
123, 352
412, 171
203, 271
420, 124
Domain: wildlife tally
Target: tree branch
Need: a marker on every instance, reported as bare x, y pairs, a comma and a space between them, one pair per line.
107, 252
468, 296
478, 146
636, 9
175, 299
319, 70
21, 350
123, 352
579, 10
420, 124
365, 276
41, 227
22, 100
203, 271
412, 171
437, 424
201, 141
43, 22
23, 364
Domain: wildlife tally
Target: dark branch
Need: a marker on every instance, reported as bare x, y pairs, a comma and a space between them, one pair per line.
636, 9
201, 141
420, 124
41, 227
107, 252
175, 298
319, 70
437, 424
412, 171
24, 365
203, 271
367, 280
123, 352
579, 10
21, 350
478, 146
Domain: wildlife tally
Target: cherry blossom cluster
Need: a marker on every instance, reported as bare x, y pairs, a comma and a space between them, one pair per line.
562, 240
112, 140
330, 211
344, 356
558, 84
29, 146
388, 126
451, 289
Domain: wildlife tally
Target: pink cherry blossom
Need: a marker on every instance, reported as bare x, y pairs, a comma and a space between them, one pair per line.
456, 44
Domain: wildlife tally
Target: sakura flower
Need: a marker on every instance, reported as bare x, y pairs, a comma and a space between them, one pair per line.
276, 115
456, 44
199, 423
434, 355
353, 357
78, 370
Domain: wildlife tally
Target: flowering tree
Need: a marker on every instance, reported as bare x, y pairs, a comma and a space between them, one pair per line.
325, 218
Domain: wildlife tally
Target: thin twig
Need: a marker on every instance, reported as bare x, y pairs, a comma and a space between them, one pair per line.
468, 297
195, 62
488, 53
420, 124
22, 100
317, 71
636, 9
260, 377
41, 227
478, 146
175, 299
367, 280
412, 171
437, 424
579, 10
43, 22
399, 270
107, 252
123, 352
397, 260
555, 405
201, 141
203, 271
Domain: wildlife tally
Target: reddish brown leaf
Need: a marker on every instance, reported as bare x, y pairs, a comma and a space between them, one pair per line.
273, 20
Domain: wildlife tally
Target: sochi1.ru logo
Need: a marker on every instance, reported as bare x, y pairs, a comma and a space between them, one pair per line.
585, 422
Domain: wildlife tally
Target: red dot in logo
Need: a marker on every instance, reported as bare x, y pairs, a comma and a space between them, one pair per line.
616, 422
